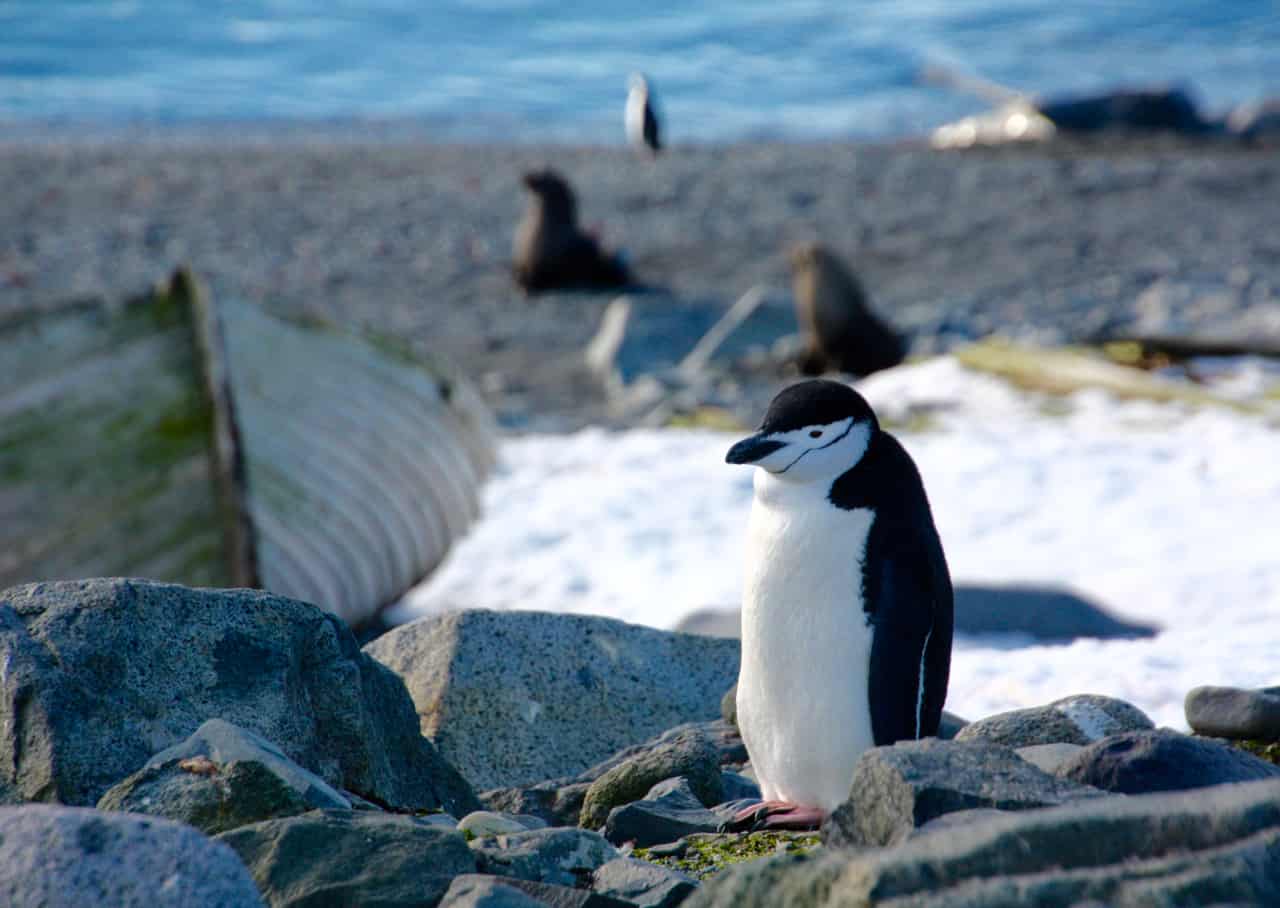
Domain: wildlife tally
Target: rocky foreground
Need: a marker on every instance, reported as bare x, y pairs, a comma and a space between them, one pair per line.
161, 746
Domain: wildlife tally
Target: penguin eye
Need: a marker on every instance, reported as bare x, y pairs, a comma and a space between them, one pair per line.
816, 433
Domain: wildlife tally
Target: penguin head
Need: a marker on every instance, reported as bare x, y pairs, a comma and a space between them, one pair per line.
813, 430
553, 191
638, 83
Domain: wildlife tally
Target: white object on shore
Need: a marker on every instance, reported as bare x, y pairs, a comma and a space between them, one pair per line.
1159, 511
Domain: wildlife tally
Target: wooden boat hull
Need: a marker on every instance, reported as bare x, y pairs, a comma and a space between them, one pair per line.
220, 445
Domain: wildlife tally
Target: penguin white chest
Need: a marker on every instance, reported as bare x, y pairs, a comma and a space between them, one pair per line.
806, 644
636, 102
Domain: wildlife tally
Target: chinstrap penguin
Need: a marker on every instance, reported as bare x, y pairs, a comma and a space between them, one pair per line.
550, 250
641, 117
840, 328
847, 602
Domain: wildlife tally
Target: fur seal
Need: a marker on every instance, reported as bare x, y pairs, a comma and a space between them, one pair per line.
841, 330
550, 250
641, 117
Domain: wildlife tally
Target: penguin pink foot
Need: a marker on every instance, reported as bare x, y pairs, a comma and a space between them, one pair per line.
775, 815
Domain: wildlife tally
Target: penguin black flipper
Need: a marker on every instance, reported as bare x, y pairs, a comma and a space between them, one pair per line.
911, 649
907, 597
651, 129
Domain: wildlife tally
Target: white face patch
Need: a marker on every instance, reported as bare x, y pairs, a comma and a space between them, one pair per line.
816, 452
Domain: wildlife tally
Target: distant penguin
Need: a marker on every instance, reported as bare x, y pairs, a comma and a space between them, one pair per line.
847, 605
641, 117
840, 329
550, 250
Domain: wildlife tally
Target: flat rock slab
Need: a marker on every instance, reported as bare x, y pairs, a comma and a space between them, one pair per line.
1149, 761
517, 698
69, 856
1080, 719
563, 856
1236, 713
341, 857
559, 801
669, 811
481, 891
222, 777
899, 788
691, 755
643, 884
1214, 846
104, 673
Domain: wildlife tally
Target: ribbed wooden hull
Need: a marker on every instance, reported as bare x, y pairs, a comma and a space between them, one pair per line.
221, 445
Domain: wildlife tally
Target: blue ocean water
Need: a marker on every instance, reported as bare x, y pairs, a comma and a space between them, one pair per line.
521, 70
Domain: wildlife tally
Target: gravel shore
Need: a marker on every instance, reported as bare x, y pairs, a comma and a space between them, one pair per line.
413, 239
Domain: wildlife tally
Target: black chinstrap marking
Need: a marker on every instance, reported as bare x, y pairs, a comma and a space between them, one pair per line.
809, 451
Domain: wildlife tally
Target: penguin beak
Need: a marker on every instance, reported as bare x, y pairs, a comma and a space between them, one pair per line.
749, 450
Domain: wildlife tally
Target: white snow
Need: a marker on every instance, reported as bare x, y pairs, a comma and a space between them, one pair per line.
1158, 512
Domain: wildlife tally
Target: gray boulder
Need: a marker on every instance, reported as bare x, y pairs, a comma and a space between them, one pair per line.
1081, 719
517, 698
104, 673
1049, 757
343, 857
563, 856
1148, 761
221, 777
900, 788
559, 801
643, 884
1236, 713
735, 786
478, 891
1215, 846
61, 857
669, 811
690, 754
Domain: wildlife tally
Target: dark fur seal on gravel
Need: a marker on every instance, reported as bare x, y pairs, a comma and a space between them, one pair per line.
841, 330
550, 250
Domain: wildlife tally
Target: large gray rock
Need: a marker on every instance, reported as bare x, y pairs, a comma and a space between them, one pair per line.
104, 673
517, 698
559, 801
1049, 757
1080, 719
1148, 761
65, 857
669, 811
643, 884
1216, 846
1236, 713
476, 891
691, 755
564, 856
222, 777
899, 788
342, 857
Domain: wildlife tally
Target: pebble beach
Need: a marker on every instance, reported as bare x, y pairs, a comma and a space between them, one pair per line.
388, 231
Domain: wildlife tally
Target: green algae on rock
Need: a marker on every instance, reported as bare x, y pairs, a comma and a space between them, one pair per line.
705, 855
